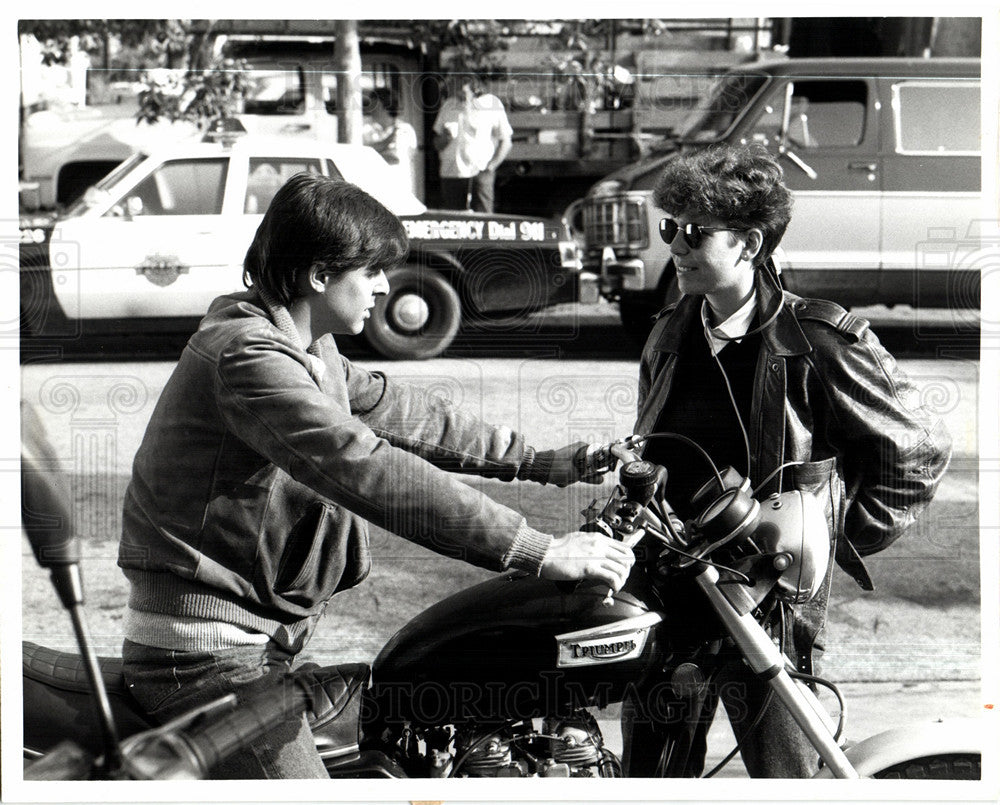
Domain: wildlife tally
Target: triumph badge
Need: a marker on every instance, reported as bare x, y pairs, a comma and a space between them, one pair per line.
161, 270
613, 642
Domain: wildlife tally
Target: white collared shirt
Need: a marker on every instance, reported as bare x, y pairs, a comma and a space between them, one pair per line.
733, 328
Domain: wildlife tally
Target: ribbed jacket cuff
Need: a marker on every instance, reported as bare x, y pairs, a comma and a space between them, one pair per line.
536, 465
528, 550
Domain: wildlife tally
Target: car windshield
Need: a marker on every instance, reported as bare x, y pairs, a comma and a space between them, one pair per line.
724, 104
95, 193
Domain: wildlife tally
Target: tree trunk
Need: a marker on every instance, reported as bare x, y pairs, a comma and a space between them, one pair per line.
347, 61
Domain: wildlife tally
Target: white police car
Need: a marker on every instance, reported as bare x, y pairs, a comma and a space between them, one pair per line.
149, 246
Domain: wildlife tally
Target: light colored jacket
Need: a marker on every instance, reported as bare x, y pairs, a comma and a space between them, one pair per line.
262, 463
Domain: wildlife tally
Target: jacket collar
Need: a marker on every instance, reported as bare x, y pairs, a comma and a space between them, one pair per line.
783, 336
282, 319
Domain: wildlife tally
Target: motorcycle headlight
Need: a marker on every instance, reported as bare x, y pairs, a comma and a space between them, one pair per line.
794, 523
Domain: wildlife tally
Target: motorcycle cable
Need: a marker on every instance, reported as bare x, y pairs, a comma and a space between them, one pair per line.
688, 441
816, 680
771, 273
742, 578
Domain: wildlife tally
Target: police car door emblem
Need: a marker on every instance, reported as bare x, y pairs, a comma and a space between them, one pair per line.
161, 270
613, 642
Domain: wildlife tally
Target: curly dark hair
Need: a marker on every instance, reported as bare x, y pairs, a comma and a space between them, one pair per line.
740, 185
317, 219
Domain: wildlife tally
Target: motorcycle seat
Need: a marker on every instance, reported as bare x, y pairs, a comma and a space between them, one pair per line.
58, 704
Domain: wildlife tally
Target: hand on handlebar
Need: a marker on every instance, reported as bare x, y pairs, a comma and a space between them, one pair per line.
589, 462
587, 555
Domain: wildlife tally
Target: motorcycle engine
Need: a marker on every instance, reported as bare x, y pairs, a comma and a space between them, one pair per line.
563, 747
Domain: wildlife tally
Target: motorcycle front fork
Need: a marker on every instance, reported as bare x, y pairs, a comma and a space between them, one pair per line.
735, 609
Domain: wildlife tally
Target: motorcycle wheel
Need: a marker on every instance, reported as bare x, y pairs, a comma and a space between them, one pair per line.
935, 767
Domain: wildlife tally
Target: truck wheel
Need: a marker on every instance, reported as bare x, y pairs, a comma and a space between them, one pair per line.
935, 767
417, 319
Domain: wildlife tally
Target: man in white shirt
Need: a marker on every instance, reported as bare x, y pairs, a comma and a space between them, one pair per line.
472, 137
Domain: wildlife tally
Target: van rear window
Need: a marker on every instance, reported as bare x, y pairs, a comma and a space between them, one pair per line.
937, 117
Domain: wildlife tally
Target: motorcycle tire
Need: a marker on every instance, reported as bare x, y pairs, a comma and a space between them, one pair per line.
935, 767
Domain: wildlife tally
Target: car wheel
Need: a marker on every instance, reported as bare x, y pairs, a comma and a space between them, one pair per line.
417, 319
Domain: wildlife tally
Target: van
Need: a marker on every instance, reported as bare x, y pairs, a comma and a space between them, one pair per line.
883, 158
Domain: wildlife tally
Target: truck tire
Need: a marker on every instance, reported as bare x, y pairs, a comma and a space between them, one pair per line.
935, 767
417, 319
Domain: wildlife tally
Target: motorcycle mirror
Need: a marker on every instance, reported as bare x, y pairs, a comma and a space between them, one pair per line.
45, 515
46, 520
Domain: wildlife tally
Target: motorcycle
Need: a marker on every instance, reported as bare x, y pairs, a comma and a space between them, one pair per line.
501, 679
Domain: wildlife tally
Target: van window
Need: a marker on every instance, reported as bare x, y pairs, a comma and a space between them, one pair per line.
935, 117
183, 187
822, 114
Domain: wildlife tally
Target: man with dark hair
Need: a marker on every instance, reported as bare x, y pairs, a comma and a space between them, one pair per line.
472, 136
268, 452
390, 135
793, 394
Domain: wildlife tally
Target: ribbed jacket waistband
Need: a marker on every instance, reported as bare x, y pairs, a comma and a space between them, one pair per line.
169, 594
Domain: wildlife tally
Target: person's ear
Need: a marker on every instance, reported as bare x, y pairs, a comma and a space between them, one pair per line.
316, 278
752, 245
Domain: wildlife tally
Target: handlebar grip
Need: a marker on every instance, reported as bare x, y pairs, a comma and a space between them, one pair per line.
270, 706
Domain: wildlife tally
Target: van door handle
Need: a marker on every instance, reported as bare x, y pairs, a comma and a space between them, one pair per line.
871, 167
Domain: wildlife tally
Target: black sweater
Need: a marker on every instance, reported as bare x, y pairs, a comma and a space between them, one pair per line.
699, 407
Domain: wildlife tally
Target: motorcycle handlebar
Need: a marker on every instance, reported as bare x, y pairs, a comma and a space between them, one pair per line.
172, 753
259, 716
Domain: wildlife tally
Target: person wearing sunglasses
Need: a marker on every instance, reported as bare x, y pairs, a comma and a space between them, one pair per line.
793, 394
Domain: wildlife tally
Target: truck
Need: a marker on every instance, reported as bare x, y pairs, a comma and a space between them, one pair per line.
883, 158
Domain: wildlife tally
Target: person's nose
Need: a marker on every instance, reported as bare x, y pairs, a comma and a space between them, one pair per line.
679, 240
381, 284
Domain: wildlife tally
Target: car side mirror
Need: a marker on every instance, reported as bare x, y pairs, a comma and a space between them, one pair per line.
133, 206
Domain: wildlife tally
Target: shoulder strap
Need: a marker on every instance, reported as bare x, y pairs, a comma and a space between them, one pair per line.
832, 315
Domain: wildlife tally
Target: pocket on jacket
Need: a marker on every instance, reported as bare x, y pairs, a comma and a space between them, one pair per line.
326, 551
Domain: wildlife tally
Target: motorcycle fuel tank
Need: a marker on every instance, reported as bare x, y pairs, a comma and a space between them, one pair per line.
514, 647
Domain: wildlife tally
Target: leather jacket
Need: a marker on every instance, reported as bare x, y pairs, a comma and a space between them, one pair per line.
262, 463
827, 394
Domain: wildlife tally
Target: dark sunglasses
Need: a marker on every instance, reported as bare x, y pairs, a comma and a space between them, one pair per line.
693, 233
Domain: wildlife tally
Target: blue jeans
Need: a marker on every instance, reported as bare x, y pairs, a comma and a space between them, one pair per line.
169, 683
